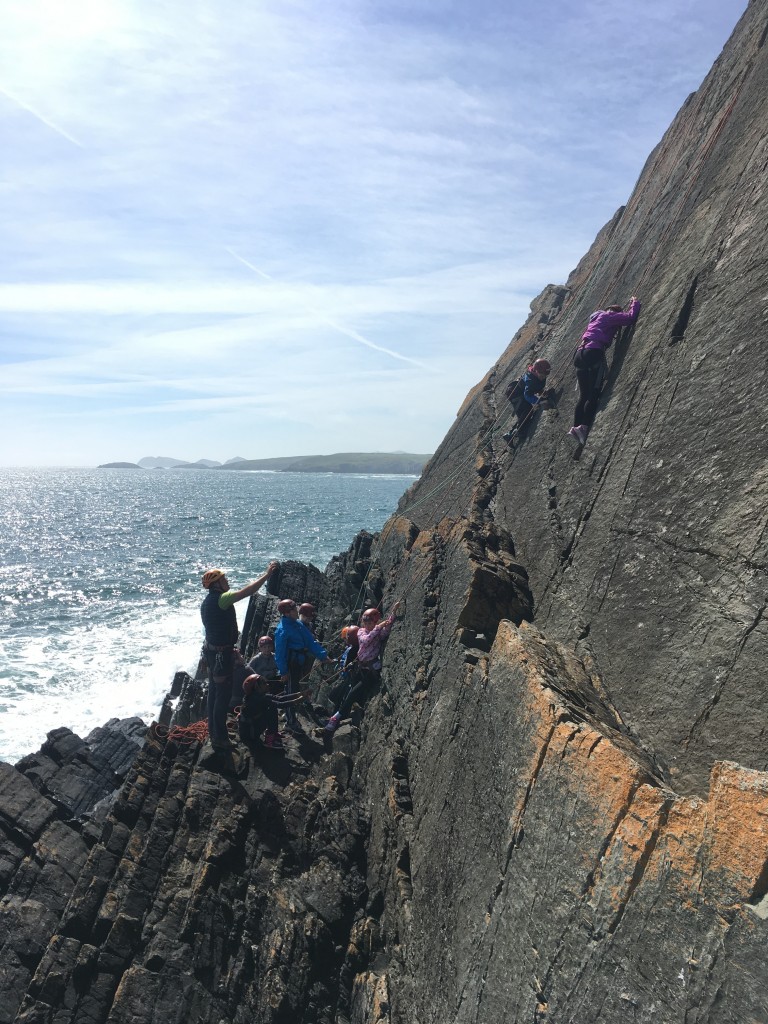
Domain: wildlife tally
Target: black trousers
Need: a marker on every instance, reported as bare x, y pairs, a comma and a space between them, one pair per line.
590, 374
361, 682
296, 672
257, 715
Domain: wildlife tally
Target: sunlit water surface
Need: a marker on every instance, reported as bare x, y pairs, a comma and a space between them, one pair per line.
100, 576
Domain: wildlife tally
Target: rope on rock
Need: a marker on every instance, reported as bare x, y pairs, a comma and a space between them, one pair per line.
197, 732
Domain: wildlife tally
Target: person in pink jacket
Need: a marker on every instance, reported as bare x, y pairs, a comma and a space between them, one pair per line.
366, 668
603, 326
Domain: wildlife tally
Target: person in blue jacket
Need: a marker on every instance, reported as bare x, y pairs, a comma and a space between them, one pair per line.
527, 395
294, 646
603, 326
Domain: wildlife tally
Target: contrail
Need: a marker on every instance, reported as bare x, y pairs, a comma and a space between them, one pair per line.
331, 323
39, 116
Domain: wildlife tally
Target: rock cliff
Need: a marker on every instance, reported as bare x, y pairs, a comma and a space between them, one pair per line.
556, 807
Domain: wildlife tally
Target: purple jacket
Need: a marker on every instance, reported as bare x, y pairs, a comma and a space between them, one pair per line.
603, 325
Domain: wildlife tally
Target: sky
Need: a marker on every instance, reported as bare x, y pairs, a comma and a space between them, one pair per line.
283, 227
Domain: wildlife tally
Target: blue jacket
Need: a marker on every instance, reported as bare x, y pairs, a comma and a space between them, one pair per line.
532, 386
293, 637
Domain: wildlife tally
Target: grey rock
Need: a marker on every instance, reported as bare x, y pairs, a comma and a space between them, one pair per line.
565, 821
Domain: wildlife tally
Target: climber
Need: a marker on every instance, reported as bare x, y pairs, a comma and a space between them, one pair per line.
527, 395
590, 362
221, 633
366, 669
259, 714
350, 636
294, 643
307, 615
263, 663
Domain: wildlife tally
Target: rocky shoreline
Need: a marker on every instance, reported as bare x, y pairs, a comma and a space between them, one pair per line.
556, 807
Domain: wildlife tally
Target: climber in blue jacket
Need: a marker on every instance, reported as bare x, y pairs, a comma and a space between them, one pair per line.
294, 646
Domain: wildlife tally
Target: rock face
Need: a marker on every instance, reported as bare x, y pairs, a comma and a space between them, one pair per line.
649, 554
555, 808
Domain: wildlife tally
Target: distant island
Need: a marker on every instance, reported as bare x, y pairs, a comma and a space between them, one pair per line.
343, 462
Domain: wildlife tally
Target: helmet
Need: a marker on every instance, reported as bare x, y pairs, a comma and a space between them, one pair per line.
250, 682
307, 609
349, 633
286, 605
211, 576
371, 613
541, 366
264, 640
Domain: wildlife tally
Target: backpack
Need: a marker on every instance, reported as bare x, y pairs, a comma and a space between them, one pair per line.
513, 390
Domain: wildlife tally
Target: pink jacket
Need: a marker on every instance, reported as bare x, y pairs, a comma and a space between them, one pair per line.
603, 325
369, 652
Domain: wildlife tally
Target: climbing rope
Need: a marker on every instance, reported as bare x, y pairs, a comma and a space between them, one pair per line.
197, 732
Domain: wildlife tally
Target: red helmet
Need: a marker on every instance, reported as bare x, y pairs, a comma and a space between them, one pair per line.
541, 366
371, 614
266, 641
251, 681
307, 609
286, 605
349, 633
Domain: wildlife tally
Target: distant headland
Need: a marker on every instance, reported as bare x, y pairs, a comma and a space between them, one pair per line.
344, 462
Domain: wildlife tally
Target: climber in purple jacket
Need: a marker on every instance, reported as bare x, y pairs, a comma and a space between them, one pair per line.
589, 361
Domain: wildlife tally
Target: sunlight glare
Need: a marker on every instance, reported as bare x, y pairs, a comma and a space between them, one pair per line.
69, 20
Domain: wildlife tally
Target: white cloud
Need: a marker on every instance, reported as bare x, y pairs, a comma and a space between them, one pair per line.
408, 177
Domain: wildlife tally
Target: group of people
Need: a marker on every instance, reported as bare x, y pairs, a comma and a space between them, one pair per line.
276, 677
530, 392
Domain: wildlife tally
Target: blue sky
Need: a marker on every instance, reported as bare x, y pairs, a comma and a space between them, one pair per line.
282, 228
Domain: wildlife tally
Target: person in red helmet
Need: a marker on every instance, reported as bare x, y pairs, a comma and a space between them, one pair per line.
259, 715
366, 669
294, 643
263, 662
307, 615
221, 632
527, 395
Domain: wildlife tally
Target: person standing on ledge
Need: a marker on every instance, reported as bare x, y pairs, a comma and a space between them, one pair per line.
294, 644
221, 633
589, 361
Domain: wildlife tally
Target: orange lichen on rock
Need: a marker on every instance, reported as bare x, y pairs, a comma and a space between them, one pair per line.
738, 830
632, 842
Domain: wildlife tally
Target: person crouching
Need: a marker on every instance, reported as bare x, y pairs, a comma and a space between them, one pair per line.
258, 714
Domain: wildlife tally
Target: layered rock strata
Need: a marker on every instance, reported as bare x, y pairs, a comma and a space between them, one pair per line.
555, 807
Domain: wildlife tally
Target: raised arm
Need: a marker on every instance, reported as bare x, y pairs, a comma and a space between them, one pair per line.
256, 585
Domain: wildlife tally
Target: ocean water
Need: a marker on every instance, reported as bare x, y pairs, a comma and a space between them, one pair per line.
100, 576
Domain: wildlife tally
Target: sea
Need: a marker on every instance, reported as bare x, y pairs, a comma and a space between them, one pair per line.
100, 576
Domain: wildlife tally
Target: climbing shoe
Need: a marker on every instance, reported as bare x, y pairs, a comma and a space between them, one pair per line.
333, 723
272, 741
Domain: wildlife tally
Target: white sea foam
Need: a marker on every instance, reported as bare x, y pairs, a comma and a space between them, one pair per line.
100, 578
82, 679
